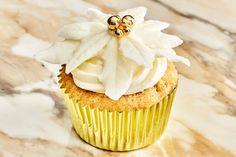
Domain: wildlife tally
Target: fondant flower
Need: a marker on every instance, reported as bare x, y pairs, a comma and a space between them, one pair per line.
121, 41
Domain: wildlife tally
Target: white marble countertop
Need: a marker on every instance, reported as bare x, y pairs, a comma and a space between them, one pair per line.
33, 118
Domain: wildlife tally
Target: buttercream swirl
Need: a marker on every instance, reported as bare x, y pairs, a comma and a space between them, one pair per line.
112, 63
86, 76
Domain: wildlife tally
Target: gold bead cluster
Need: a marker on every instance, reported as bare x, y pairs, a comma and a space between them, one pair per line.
120, 27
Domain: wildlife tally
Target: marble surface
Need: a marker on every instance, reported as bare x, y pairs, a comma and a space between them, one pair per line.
34, 121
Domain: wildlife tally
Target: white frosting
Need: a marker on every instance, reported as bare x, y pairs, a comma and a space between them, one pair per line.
87, 75
103, 63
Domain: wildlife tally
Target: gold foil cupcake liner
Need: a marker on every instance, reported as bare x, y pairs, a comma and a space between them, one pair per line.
118, 131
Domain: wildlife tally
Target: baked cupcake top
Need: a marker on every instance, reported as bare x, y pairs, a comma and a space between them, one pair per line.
115, 54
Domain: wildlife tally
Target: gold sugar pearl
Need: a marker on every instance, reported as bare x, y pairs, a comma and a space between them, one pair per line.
119, 33
128, 21
120, 27
113, 22
126, 31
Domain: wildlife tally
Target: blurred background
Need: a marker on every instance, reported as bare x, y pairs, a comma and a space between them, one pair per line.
34, 121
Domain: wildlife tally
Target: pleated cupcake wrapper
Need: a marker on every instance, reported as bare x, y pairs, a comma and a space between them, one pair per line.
117, 131
120, 131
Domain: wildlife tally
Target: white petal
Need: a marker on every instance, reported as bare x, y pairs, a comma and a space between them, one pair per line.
59, 52
152, 25
171, 55
97, 15
138, 13
81, 30
171, 40
88, 48
156, 39
117, 72
135, 50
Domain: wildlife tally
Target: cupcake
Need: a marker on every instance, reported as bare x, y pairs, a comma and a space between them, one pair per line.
117, 77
